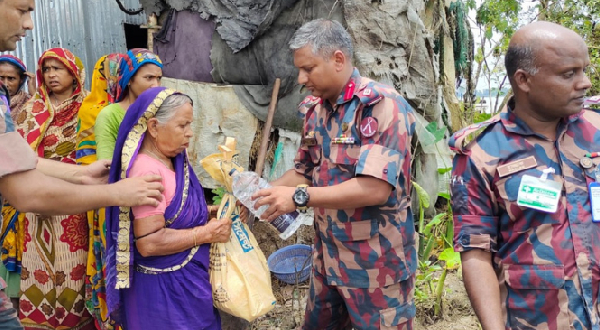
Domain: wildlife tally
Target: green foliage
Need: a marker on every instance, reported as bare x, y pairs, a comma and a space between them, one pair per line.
452, 261
461, 38
479, 117
498, 16
444, 195
434, 235
425, 280
438, 132
424, 200
451, 258
218, 195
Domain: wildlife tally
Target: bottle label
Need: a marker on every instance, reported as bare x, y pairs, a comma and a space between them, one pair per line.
282, 222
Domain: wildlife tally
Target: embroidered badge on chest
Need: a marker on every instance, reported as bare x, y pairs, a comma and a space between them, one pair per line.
344, 127
309, 140
368, 127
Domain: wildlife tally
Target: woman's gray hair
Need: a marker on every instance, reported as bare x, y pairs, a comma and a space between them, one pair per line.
325, 36
167, 109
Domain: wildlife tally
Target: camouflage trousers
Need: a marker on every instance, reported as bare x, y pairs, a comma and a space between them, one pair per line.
339, 308
8, 315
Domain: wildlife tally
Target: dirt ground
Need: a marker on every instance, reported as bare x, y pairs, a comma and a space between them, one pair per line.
457, 313
288, 314
291, 299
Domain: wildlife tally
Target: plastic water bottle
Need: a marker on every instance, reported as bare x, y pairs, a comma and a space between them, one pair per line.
245, 185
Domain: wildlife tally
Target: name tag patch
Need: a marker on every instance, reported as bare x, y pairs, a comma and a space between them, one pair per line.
517, 166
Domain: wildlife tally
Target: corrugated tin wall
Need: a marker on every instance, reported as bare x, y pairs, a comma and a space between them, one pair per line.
89, 28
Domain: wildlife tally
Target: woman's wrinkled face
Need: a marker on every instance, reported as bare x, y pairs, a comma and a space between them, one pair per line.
10, 77
174, 136
57, 77
149, 75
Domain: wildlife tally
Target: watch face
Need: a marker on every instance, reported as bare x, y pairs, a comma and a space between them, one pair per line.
300, 197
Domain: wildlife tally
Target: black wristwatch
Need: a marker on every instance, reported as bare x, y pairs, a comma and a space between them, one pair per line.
301, 198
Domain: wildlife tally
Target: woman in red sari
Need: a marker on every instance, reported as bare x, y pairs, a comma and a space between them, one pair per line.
55, 248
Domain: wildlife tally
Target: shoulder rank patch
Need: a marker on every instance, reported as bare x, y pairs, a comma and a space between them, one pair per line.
461, 140
308, 103
370, 94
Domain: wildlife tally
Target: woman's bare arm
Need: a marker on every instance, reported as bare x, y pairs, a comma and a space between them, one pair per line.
154, 239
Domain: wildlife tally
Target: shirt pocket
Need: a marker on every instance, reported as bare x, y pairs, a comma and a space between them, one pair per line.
536, 295
344, 154
524, 218
342, 160
508, 186
358, 247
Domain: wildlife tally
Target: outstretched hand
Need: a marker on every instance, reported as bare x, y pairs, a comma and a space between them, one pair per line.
279, 199
139, 191
96, 173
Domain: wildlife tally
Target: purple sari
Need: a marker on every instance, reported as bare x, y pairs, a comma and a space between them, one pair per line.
161, 292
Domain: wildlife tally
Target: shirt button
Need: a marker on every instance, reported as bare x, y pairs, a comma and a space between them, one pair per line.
465, 240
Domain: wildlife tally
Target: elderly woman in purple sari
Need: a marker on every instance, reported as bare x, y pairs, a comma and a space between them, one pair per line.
158, 257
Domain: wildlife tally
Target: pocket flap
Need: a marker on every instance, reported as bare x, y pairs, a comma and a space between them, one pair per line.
344, 153
355, 230
395, 316
546, 277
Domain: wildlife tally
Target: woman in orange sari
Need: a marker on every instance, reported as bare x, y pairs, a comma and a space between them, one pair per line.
54, 248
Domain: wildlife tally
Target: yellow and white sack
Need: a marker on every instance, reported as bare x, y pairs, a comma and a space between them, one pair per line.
240, 277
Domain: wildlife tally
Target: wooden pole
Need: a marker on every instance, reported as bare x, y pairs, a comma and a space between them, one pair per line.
264, 142
152, 27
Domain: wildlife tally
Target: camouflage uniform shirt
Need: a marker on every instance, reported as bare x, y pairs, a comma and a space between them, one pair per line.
371, 246
547, 263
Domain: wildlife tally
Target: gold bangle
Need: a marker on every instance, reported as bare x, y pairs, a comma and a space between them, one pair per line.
194, 234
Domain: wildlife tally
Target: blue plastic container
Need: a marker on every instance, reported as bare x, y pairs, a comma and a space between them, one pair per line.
291, 263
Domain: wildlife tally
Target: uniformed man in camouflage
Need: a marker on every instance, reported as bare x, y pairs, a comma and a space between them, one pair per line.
355, 159
524, 222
